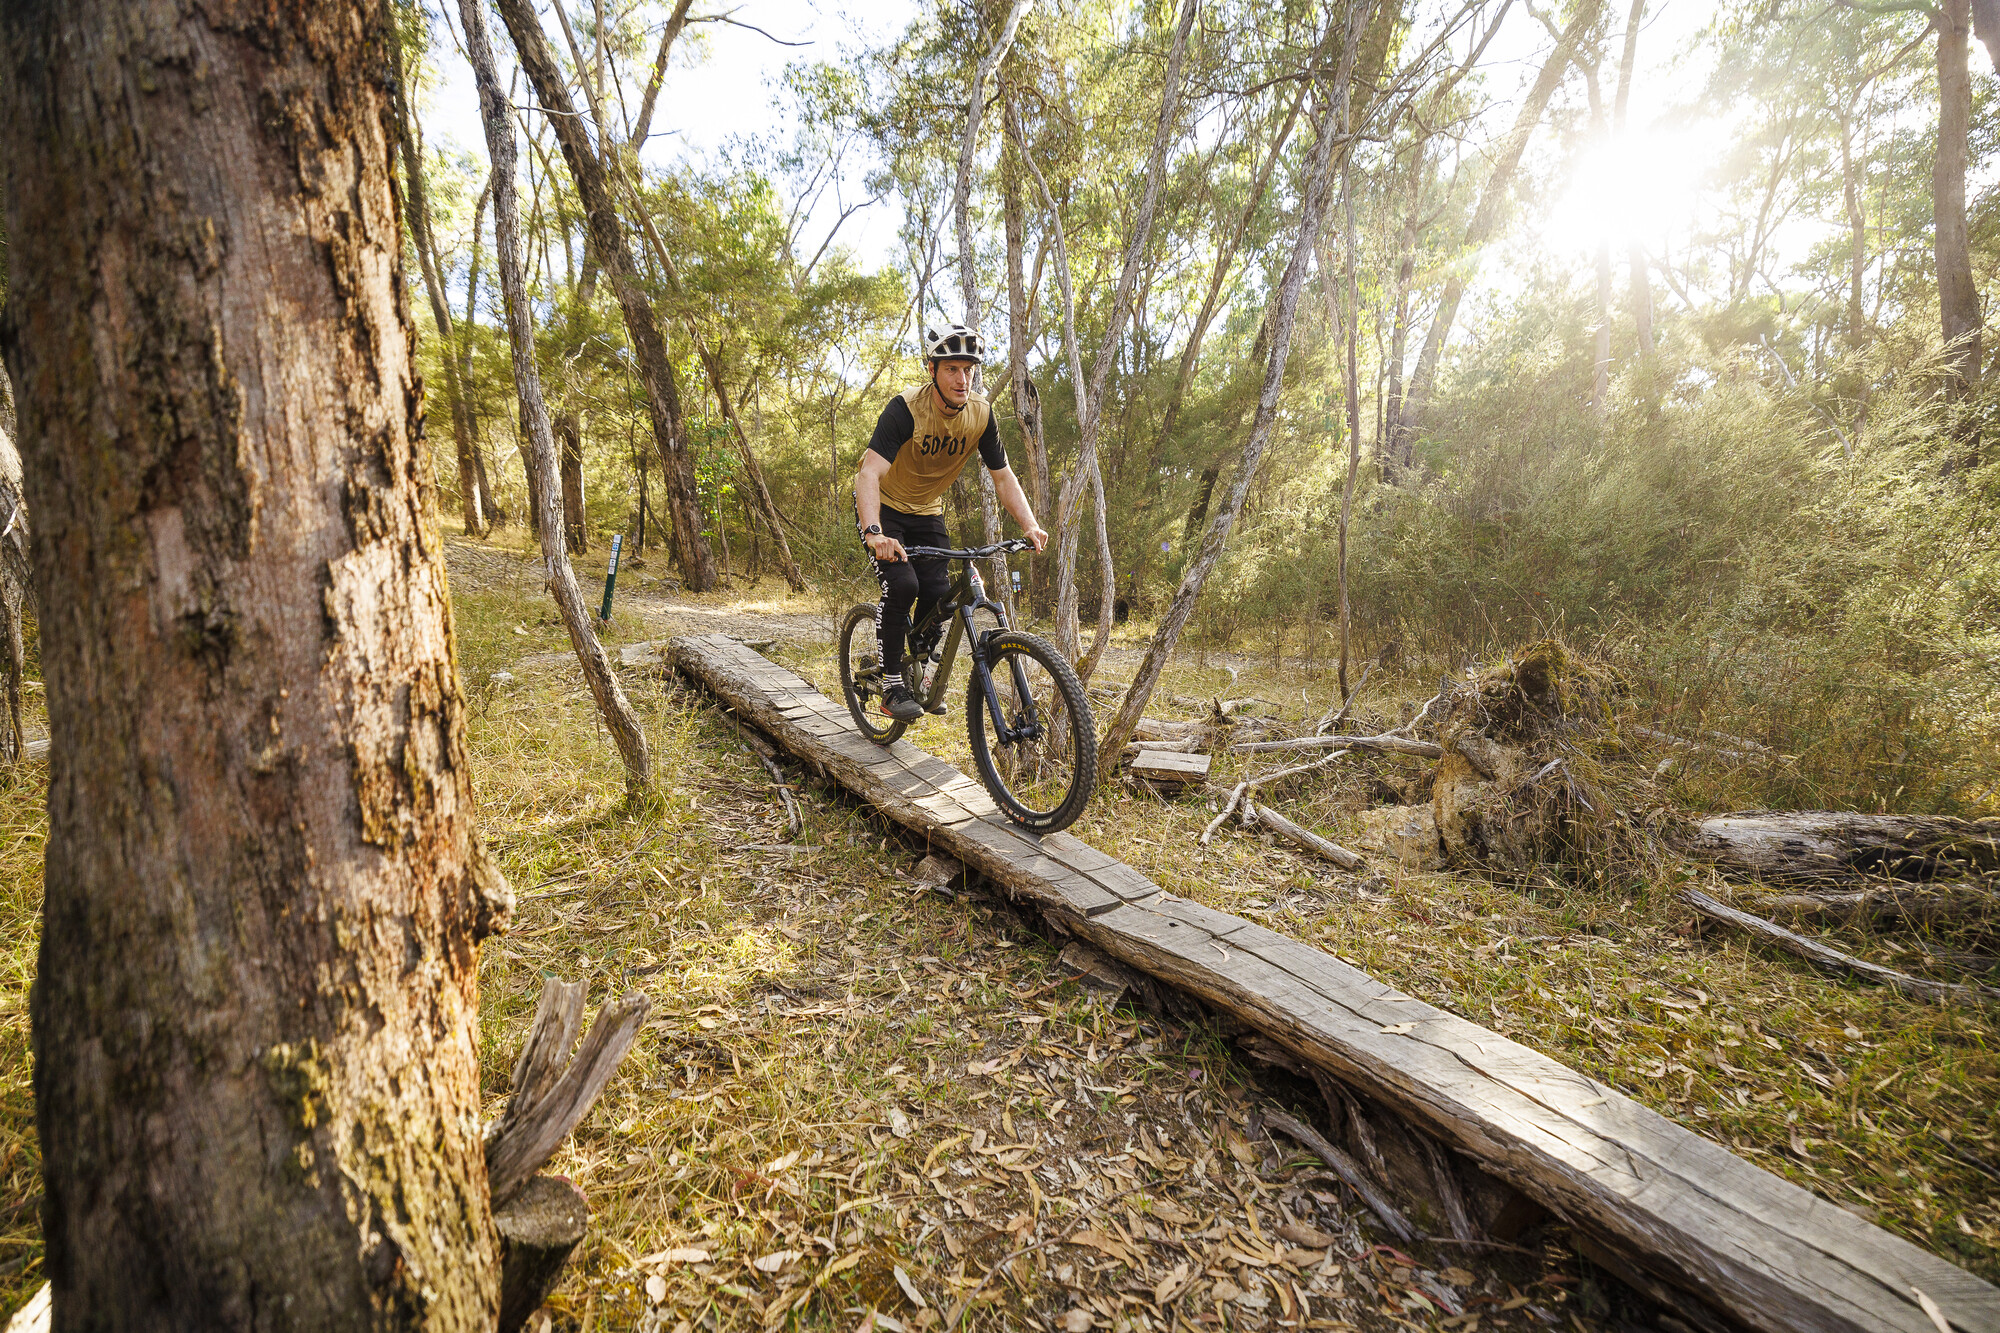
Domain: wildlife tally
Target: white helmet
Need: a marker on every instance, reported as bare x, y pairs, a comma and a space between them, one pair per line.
954, 342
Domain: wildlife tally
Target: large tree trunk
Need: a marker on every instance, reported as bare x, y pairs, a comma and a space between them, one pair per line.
1486, 217
1312, 209
540, 453
607, 239
1958, 293
264, 888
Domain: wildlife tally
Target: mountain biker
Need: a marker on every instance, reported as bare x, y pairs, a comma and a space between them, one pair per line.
922, 439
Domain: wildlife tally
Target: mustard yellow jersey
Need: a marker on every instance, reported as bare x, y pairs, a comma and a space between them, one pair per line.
927, 447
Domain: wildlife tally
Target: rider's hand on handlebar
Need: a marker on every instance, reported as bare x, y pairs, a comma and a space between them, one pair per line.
1039, 538
884, 548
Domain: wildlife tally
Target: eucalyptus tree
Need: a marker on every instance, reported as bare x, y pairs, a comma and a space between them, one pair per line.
612, 705
264, 886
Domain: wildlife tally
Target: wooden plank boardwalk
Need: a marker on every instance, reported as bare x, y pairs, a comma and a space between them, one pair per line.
1755, 1250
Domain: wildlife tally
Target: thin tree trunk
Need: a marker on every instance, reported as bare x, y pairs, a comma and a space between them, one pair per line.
1312, 210
1485, 217
1027, 402
711, 364
1092, 406
1600, 384
1393, 459
1857, 234
495, 515
1225, 257
612, 706
1353, 410
576, 533
1642, 287
16, 591
968, 266
1958, 293
472, 509
264, 890
607, 238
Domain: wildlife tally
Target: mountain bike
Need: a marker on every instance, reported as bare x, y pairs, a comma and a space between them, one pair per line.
1033, 738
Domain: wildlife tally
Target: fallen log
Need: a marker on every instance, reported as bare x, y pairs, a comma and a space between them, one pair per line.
1301, 837
1835, 961
1388, 742
1690, 1214
1808, 846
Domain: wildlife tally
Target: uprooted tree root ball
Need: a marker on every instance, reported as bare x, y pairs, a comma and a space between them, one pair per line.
1537, 768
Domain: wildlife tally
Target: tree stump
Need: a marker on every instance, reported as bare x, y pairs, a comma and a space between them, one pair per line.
539, 1228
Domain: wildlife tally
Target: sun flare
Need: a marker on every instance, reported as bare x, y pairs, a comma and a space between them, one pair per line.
1634, 188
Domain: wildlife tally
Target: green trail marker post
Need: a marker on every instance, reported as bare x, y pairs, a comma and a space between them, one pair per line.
611, 576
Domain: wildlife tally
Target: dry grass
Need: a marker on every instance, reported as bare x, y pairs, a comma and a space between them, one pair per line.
840, 1080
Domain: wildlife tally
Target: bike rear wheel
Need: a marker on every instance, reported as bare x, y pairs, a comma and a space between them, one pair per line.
862, 679
1043, 779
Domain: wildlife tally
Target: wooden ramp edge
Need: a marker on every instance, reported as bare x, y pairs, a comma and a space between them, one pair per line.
1754, 1248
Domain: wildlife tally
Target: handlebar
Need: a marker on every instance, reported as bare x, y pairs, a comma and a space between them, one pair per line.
972, 553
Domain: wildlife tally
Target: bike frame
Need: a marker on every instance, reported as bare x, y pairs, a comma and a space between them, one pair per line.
967, 595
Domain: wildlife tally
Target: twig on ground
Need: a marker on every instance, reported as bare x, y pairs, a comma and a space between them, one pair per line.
1834, 960
1228, 809
1387, 741
1349, 1172
1335, 717
795, 820
1301, 837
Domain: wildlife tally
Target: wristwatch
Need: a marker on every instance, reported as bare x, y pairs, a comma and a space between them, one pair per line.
872, 530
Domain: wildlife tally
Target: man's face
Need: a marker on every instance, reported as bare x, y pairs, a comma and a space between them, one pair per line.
954, 379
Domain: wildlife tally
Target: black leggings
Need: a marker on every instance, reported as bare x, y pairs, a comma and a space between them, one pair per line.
910, 588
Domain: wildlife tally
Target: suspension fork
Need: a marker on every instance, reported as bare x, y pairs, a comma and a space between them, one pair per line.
982, 670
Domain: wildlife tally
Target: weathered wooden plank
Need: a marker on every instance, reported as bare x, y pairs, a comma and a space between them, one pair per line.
1681, 1209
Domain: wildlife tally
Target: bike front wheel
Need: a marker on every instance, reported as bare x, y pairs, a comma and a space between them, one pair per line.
1039, 756
862, 679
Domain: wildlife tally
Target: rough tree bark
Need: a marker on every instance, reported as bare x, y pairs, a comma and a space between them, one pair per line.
264, 887
1090, 417
612, 705
1958, 293
607, 239
1312, 209
569, 468
1486, 217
